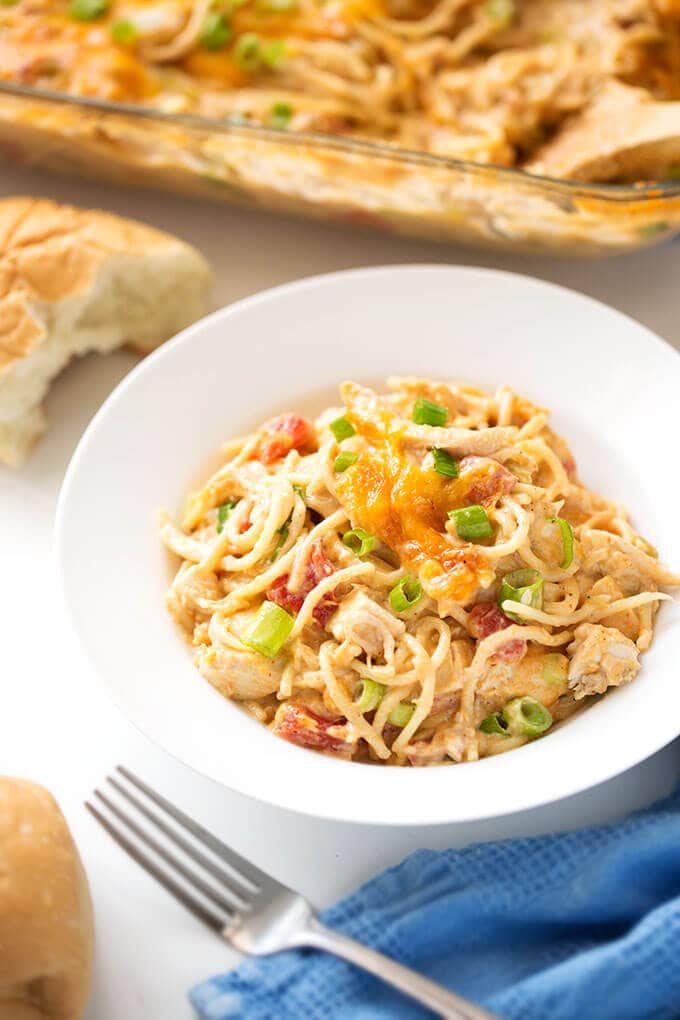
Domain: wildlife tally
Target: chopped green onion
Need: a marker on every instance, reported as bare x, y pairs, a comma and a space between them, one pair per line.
275, 6
281, 115
88, 10
527, 717
554, 668
359, 541
301, 492
216, 31
523, 586
269, 630
123, 32
406, 593
250, 53
283, 535
494, 723
342, 428
425, 412
223, 513
567, 540
344, 460
502, 11
401, 714
246, 51
273, 53
444, 464
8, 3
650, 230
647, 547
370, 695
471, 523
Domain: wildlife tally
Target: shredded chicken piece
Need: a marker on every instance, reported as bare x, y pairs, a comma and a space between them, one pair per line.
449, 742
600, 657
239, 674
187, 589
622, 135
612, 555
363, 622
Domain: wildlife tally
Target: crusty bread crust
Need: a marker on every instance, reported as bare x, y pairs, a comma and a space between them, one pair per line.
46, 920
74, 280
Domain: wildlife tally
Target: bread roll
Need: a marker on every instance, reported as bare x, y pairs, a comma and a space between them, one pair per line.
46, 923
76, 280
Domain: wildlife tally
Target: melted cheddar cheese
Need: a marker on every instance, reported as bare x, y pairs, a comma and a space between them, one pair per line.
405, 507
42, 43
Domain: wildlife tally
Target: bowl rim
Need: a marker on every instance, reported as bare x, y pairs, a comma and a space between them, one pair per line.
615, 764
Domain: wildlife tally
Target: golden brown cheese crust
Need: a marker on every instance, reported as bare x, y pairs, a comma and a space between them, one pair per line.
46, 919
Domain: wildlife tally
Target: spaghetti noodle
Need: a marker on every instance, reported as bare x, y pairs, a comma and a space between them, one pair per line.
414, 578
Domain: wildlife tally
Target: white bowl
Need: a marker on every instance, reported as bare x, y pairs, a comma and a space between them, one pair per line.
614, 388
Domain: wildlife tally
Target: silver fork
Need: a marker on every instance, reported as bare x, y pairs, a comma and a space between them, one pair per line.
244, 905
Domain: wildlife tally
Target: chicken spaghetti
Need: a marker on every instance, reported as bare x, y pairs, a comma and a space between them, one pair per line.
493, 81
414, 578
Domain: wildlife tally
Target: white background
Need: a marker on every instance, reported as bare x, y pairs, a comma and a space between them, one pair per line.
58, 729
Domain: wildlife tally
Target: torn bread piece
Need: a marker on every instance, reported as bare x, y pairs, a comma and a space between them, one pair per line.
77, 280
46, 919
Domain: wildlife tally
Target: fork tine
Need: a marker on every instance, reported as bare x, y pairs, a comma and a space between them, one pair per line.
198, 909
225, 879
208, 890
243, 870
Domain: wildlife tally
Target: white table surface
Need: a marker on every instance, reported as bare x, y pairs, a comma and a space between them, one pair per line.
58, 729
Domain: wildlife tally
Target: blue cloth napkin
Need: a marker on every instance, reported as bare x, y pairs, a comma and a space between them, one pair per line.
579, 926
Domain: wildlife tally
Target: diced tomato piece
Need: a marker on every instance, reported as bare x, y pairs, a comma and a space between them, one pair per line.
283, 434
485, 619
488, 479
512, 652
245, 526
318, 567
300, 725
569, 466
324, 610
280, 594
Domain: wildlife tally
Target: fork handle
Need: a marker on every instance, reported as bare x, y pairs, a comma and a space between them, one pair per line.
429, 993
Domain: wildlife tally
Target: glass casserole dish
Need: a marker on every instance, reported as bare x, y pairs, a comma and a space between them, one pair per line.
326, 177
480, 121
